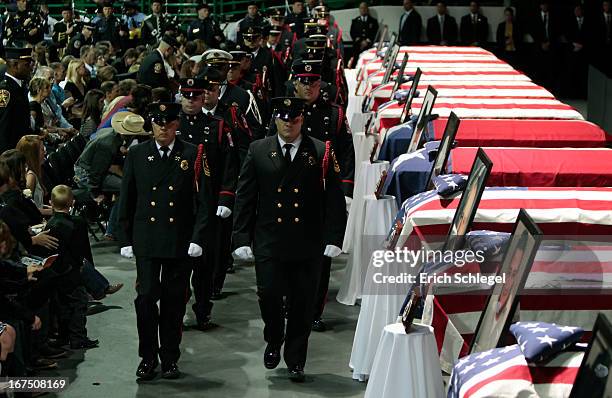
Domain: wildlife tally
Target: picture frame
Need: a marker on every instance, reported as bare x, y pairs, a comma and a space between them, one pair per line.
390, 65
423, 119
446, 144
388, 53
593, 379
413, 89
381, 34
400, 75
502, 303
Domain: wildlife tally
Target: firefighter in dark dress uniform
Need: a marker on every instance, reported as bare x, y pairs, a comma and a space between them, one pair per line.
325, 121
14, 105
288, 191
65, 29
163, 216
154, 69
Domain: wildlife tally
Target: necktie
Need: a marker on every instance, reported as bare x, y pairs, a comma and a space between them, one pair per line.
441, 20
288, 152
165, 151
474, 19
608, 27
546, 25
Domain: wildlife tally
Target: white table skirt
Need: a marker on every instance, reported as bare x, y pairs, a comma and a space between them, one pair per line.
406, 365
365, 184
362, 144
378, 216
357, 120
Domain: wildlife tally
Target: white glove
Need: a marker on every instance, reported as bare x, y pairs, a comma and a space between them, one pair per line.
223, 212
194, 250
244, 253
127, 252
348, 200
332, 251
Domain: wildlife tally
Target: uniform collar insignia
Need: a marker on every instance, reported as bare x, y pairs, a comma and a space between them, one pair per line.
274, 154
150, 158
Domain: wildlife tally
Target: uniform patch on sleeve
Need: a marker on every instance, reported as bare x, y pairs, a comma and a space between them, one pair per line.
157, 68
5, 97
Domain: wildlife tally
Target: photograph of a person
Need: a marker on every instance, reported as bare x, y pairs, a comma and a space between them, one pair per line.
423, 119
406, 111
446, 144
498, 313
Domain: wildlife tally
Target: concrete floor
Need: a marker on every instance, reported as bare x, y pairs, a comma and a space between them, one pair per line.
224, 362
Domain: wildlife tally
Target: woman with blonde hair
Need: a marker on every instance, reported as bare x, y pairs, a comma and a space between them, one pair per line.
75, 87
33, 149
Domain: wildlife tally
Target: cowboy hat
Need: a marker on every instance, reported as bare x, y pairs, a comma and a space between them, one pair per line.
128, 123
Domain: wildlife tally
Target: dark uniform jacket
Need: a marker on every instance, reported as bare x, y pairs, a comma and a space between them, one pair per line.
361, 30
160, 212
474, 32
326, 121
296, 22
448, 33
206, 29
19, 24
219, 157
236, 95
60, 37
14, 113
154, 27
153, 71
410, 33
71, 232
108, 29
278, 205
75, 44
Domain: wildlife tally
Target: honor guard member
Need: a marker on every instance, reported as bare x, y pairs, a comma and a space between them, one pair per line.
286, 36
363, 30
157, 24
65, 29
232, 94
205, 28
311, 28
252, 18
288, 191
108, 26
334, 32
83, 38
261, 66
155, 70
326, 121
24, 25
14, 104
163, 216
279, 67
219, 159
295, 18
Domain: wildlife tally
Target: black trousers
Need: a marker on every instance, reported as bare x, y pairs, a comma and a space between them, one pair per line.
160, 329
323, 287
298, 280
209, 274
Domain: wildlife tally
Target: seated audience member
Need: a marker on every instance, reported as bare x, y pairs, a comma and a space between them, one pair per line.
34, 151
105, 74
73, 249
13, 196
121, 99
99, 168
75, 87
92, 112
140, 98
46, 121
123, 64
57, 93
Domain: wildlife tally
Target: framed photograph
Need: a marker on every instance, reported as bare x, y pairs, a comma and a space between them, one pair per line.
382, 33
593, 379
390, 65
446, 144
495, 320
400, 75
413, 89
423, 119
466, 210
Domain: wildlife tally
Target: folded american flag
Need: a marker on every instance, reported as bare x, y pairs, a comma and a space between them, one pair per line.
448, 184
491, 243
540, 340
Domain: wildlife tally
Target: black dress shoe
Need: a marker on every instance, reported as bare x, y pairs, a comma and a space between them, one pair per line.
49, 352
84, 344
58, 343
205, 325
146, 369
319, 326
296, 374
171, 371
44, 363
272, 356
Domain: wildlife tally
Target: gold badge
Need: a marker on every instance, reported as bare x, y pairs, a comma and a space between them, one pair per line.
5, 97
162, 107
157, 68
190, 82
308, 68
184, 165
287, 102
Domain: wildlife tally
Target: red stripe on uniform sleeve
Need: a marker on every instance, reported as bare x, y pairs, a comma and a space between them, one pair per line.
227, 193
348, 181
